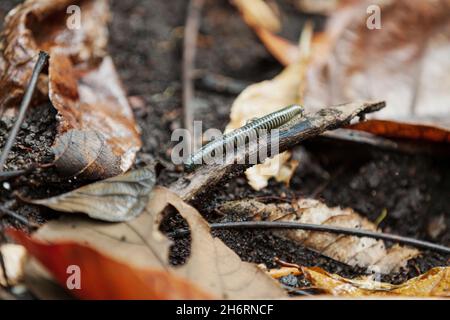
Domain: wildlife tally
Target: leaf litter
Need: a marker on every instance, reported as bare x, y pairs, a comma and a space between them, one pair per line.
434, 283
119, 198
78, 136
355, 251
138, 245
82, 83
407, 69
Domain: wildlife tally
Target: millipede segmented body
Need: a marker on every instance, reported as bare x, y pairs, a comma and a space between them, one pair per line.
268, 122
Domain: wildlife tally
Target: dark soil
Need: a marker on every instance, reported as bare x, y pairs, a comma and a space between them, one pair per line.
146, 44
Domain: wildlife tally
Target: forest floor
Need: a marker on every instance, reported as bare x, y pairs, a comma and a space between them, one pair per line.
146, 45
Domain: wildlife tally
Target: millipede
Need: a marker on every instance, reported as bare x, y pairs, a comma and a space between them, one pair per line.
268, 122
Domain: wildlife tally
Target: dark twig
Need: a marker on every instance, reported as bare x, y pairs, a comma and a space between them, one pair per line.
219, 83
190, 48
322, 228
290, 135
7, 175
17, 217
42, 60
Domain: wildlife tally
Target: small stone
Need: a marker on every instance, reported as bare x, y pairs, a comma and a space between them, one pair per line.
289, 280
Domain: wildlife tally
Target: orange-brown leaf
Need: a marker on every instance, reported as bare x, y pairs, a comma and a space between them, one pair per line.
138, 244
105, 278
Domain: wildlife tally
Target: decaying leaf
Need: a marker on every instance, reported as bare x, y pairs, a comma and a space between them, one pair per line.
355, 251
41, 25
14, 258
265, 97
212, 267
120, 198
82, 83
409, 68
96, 102
84, 154
261, 18
434, 283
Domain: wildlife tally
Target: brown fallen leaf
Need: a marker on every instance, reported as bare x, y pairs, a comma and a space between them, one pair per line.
355, 251
409, 68
84, 154
434, 283
213, 267
41, 25
82, 83
258, 15
120, 198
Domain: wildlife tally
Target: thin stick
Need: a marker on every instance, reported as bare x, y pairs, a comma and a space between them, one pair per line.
331, 117
190, 49
219, 83
323, 228
42, 60
7, 175
18, 217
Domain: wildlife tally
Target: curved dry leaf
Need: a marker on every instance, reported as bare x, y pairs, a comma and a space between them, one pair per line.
96, 102
355, 251
434, 283
82, 83
409, 68
85, 154
138, 243
282, 50
260, 17
120, 198
258, 14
